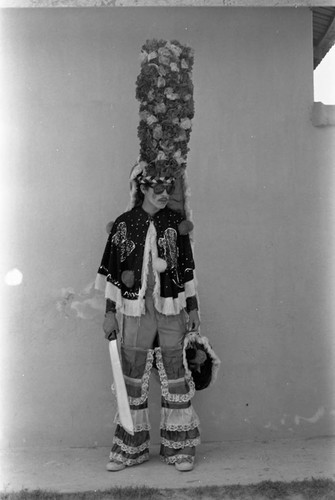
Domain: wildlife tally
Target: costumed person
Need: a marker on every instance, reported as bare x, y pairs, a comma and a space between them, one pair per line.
147, 269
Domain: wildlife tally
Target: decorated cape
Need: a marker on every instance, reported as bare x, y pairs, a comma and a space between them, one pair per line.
137, 241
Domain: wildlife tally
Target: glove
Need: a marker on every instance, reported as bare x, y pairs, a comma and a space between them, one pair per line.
110, 326
193, 320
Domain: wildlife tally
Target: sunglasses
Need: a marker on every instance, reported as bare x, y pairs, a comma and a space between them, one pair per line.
160, 187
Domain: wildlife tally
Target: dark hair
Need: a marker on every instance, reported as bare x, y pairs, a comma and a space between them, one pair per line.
139, 196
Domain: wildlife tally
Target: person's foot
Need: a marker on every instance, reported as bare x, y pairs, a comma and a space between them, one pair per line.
184, 463
114, 466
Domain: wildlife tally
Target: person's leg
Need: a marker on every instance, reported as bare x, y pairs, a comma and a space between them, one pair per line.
179, 422
137, 358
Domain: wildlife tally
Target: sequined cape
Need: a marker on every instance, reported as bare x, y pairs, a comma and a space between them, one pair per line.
136, 239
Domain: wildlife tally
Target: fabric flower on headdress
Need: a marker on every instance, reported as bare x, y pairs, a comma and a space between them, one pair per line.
174, 67
160, 108
186, 124
175, 49
161, 156
152, 56
161, 82
158, 132
164, 89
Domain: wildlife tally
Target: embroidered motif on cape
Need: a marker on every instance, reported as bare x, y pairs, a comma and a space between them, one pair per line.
120, 240
169, 245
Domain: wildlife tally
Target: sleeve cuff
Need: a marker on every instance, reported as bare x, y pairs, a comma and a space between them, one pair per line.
110, 306
191, 303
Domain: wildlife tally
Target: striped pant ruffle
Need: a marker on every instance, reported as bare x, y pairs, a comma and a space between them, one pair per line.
179, 424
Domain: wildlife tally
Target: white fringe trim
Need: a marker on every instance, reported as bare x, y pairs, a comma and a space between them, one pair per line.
165, 305
190, 289
169, 306
135, 308
100, 282
113, 293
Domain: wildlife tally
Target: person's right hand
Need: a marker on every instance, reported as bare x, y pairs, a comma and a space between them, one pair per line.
110, 326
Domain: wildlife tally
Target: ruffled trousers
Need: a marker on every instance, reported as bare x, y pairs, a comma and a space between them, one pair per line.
179, 424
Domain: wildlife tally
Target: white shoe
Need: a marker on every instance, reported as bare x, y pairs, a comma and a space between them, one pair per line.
185, 463
114, 466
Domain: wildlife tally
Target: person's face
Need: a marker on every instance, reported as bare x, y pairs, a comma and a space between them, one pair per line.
154, 201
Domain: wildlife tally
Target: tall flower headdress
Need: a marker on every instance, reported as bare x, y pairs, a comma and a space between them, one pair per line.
164, 89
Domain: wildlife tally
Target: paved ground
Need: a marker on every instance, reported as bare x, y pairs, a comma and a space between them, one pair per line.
83, 469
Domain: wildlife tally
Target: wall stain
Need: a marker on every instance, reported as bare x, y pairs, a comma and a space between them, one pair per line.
86, 304
312, 420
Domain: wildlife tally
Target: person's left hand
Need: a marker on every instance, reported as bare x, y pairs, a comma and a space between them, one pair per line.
193, 320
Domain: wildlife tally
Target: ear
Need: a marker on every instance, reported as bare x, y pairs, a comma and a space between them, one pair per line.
143, 188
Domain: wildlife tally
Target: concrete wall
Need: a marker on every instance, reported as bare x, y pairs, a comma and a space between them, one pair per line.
262, 197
